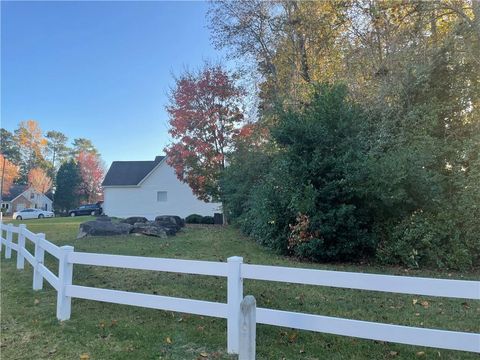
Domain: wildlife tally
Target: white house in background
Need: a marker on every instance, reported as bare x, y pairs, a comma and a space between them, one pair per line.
149, 189
23, 197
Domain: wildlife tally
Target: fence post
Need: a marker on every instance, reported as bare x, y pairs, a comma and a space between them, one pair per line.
8, 246
21, 246
39, 257
65, 275
248, 324
234, 298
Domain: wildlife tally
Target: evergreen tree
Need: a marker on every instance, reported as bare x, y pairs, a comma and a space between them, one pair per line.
68, 180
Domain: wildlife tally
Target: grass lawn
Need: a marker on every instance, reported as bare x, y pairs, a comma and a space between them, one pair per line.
29, 329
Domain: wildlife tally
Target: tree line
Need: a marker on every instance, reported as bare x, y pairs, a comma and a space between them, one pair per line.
365, 141
48, 162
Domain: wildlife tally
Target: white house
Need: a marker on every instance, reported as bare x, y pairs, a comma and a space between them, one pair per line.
22, 197
150, 188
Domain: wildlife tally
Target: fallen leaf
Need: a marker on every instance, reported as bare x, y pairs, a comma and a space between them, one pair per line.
425, 304
168, 340
114, 322
414, 301
293, 337
84, 357
203, 354
393, 353
36, 302
421, 353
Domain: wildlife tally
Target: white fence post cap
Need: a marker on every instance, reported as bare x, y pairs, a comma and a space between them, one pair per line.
235, 259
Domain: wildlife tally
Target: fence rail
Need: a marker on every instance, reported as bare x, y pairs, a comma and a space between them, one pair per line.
236, 271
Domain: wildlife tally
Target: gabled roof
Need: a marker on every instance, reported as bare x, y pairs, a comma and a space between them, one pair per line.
15, 190
129, 173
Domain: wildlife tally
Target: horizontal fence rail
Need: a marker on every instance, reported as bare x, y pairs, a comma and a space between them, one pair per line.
443, 339
463, 289
236, 272
196, 307
150, 263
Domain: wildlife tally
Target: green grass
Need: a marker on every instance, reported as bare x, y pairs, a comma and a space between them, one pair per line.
29, 329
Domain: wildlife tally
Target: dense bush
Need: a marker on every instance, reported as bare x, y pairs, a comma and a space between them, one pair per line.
194, 219
207, 220
308, 204
339, 187
199, 219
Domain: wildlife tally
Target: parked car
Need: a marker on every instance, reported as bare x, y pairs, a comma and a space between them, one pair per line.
32, 214
87, 209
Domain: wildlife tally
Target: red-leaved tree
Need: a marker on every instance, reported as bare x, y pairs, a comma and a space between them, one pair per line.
92, 172
204, 113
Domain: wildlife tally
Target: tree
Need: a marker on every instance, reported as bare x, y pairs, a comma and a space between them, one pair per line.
10, 172
68, 180
57, 148
92, 173
9, 146
31, 145
204, 111
83, 145
39, 180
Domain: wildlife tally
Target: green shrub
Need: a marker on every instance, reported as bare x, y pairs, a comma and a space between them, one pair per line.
207, 220
194, 219
314, 179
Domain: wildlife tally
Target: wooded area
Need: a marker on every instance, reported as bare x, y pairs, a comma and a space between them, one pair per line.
365, 141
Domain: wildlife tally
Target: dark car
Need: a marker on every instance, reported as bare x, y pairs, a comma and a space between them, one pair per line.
87, 209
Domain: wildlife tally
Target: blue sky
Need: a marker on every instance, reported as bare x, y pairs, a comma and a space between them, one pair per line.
100, 70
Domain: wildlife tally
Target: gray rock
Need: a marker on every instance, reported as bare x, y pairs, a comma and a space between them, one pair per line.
103, 228
149, 228
103, 218
170, 221
134, 219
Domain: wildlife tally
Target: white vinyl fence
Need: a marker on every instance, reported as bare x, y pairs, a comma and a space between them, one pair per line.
236, 271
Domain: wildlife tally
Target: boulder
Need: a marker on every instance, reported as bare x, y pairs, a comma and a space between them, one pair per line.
149, 228
103, 218
134, 219
103, 228
171, 221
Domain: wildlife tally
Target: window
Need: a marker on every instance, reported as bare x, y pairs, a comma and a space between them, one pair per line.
5, 206
32, 195
161, 196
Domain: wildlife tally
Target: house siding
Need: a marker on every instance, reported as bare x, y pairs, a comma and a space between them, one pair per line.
142, 200
26, 200
20, 203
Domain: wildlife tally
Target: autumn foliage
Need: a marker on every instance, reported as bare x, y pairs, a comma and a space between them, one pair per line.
39, 180
91, 174
204, 114
9, 173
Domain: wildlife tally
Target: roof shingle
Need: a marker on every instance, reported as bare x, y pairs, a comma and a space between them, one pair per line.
125, 173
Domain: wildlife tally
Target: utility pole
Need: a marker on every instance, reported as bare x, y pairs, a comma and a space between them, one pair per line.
3, 173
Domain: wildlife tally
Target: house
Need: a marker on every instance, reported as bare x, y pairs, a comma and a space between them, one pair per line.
148, 189
22, 197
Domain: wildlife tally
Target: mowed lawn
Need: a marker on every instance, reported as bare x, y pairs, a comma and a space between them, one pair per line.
30, 330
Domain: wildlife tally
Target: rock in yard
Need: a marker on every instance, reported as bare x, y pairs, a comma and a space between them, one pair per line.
170, 221
103, 228
134, 219
149, 228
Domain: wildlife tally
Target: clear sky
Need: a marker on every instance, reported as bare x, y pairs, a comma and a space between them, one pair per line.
100, 70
